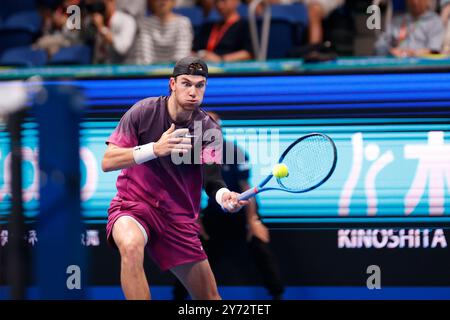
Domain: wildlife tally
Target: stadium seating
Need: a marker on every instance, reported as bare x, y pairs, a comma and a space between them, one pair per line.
77, 54
23, 57
287, 25
28, 20
19, 24
9, 7
399, 6
286, 29
14, 37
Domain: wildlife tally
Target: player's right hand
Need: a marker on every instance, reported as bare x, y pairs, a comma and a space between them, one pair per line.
172, 141
231, 202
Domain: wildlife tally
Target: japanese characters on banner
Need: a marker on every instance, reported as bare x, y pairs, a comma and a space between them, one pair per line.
89, 238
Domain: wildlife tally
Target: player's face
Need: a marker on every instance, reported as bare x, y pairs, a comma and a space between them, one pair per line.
188, 91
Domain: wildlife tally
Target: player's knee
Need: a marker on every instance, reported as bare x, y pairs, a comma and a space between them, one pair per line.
131, 249
129, 239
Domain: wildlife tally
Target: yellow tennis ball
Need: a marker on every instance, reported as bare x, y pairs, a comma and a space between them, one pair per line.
280, 170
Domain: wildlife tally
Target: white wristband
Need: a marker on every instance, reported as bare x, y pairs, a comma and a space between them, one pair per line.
144, 153
219, 195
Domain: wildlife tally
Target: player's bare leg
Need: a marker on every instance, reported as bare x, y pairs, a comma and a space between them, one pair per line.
198, 279
131, 243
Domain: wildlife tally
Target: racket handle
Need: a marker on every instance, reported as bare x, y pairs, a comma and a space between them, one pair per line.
248, 194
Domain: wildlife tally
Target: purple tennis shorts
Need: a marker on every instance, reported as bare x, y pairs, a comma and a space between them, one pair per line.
173, 239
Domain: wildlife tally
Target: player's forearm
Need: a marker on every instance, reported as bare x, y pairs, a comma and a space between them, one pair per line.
212, 179
118, 158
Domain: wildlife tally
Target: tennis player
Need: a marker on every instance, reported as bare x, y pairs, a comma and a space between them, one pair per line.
250, 235
158, 200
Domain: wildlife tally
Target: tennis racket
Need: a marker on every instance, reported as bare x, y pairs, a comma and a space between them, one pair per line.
310, 160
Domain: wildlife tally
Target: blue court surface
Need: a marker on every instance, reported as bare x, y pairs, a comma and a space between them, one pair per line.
291, 293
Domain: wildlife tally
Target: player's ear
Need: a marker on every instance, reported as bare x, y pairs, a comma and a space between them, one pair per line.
172, 81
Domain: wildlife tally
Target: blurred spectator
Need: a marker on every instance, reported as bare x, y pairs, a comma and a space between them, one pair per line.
317, 11
445, 10
136, 8
55, 32
115, 33
228, 40
206, 5
416, 33
445, 15
184, 3
164, 36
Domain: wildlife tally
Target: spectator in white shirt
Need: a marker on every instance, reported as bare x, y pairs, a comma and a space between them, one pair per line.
116, 31
418, 32
163, 36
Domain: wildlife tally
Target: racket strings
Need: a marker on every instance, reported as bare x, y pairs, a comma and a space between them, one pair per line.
309, 162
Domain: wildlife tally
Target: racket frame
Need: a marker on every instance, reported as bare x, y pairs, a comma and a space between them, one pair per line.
260, 188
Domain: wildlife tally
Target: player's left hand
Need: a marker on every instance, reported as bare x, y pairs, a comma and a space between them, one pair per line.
231, 203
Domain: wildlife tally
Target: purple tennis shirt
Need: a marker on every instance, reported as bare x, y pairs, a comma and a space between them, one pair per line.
170, 185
